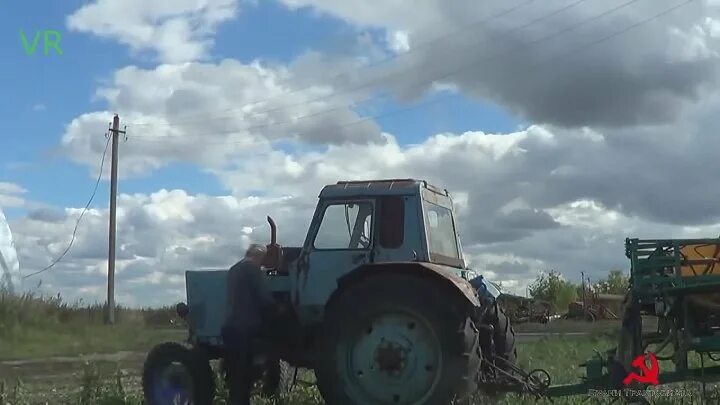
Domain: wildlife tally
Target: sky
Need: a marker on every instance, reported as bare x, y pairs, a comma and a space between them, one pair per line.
560, 127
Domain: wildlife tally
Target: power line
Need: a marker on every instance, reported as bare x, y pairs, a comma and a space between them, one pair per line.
578, 49
383, 78
82, 213
635, 25
445, 75
391, 75
392, 57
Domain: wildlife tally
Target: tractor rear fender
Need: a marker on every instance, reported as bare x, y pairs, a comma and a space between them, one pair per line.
445, 277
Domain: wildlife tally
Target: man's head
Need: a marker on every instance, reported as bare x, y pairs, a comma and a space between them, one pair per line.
256, 253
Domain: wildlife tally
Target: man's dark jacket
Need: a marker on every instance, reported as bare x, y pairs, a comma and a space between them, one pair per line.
248, 296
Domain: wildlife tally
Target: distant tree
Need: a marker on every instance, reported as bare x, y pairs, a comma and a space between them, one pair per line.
615, 283
554, 288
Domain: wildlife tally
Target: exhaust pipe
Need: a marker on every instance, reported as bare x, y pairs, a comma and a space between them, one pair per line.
273, 230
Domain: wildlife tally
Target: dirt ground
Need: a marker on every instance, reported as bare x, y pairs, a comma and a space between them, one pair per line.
52, 378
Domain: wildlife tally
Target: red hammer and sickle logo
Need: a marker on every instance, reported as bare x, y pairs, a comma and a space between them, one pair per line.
647, 375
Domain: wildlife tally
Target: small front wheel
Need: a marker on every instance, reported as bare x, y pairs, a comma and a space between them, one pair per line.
175, 374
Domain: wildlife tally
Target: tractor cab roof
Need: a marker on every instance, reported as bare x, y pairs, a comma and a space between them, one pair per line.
378, 188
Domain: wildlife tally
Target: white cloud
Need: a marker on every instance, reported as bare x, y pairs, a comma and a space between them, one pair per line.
620, 146
399, 41
159, 237
544, 65
518, 213
233, 110
11, 195
176, 30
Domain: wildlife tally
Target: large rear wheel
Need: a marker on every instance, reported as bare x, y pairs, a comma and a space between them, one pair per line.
396, 339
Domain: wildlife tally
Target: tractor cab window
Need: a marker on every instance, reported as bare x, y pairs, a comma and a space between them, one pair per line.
345, 226
440, 230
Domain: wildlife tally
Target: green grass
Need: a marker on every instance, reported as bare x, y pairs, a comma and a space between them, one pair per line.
559, 357
73, 340
32, 326
36, 326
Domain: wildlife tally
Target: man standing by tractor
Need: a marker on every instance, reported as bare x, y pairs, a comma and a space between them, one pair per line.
249, 299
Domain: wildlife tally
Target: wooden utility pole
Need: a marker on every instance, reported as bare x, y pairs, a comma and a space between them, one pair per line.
584, 300
114, 133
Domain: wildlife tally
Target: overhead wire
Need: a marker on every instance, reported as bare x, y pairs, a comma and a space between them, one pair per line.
77, 223
416, 47
578, 49
372, 83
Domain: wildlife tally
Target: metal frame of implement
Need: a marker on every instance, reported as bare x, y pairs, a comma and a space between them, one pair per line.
658, 288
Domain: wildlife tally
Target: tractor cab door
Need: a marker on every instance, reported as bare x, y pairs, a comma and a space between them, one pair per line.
340, 239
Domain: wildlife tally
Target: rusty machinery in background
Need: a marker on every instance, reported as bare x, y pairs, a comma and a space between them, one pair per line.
523, 309
593, 305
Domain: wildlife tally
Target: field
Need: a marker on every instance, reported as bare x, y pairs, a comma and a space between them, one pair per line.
55, 353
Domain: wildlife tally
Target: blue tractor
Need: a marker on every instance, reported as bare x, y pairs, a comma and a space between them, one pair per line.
381, 306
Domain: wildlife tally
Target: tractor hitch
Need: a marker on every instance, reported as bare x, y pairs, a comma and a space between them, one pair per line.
511, 378
537, 382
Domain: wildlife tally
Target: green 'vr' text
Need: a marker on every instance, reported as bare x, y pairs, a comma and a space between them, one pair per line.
51, 39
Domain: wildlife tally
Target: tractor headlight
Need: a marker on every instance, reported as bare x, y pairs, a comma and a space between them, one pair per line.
182, 310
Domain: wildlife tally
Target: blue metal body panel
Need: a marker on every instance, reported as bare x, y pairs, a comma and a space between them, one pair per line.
206, 299
415, 242
321, 268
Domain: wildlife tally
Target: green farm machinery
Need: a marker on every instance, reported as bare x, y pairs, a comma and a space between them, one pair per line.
382, 307
675, 285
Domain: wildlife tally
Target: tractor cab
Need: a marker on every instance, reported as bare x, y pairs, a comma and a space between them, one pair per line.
376, 221
386, 220
360, 225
